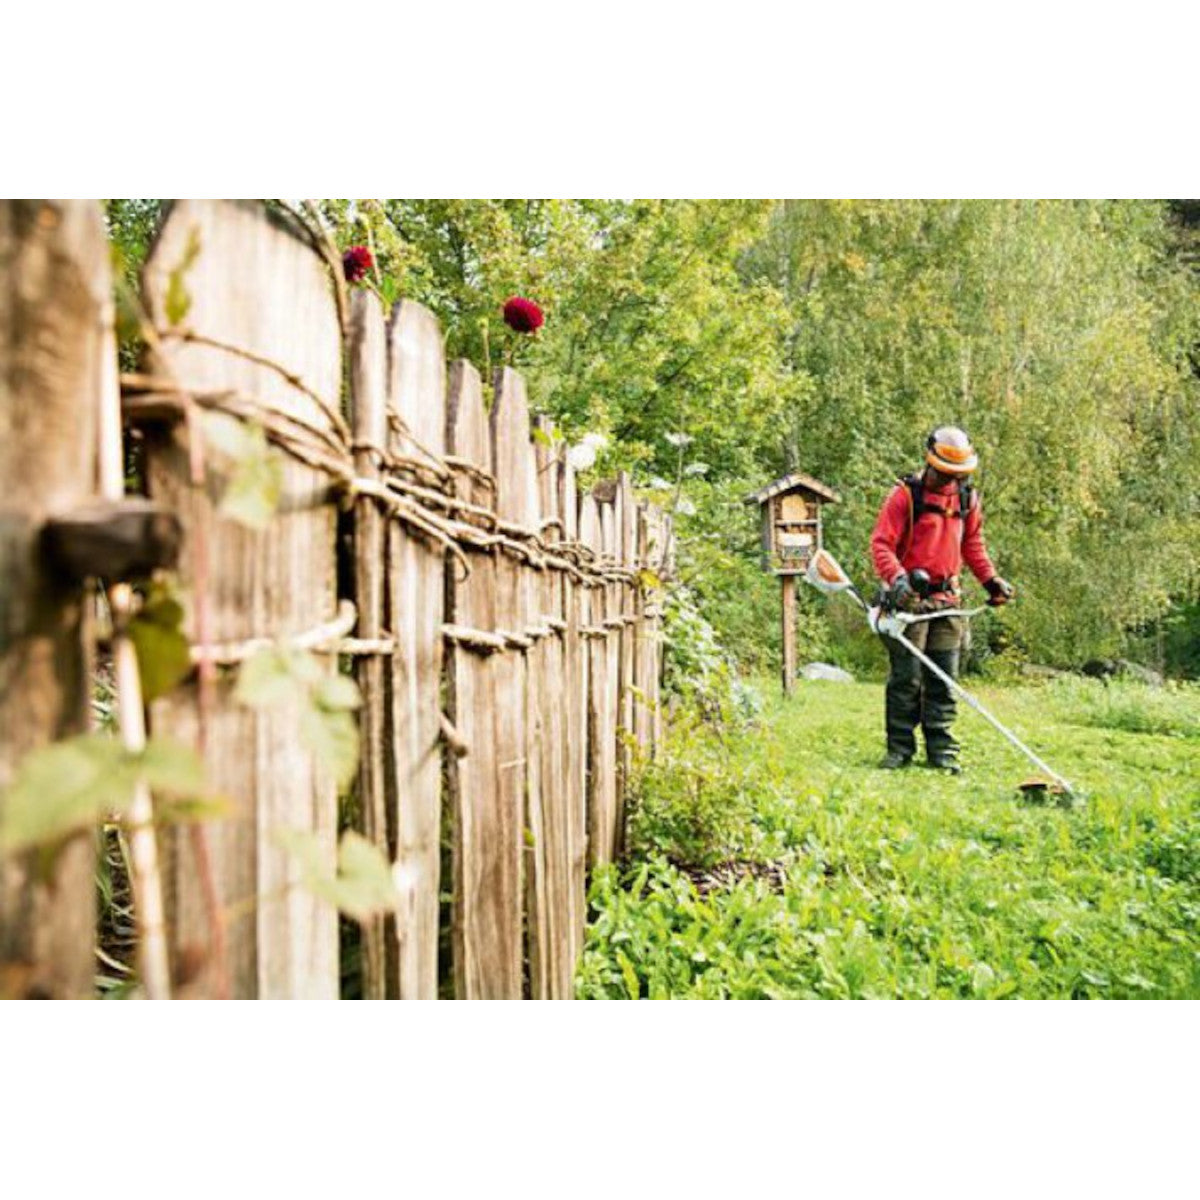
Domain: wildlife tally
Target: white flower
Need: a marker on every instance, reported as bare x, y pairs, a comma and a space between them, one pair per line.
685, 507
679, 439
696, 469
661, 484
582, 456
596, 440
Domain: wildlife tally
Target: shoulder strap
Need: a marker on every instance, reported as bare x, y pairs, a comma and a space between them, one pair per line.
914, 489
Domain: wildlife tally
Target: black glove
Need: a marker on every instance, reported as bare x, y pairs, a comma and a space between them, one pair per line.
999, 590
900, 593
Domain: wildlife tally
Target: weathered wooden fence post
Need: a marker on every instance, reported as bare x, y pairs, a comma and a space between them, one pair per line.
555, 801
417, 397
601, 736
626, 555
367, 352
516, 495
488, 949
575, 606
247, 325
56, 347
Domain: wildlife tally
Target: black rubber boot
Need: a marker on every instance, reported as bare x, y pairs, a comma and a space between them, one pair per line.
937, 716
892, 761
902, 708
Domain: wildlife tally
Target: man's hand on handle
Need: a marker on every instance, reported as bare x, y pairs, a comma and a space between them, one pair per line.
999, 591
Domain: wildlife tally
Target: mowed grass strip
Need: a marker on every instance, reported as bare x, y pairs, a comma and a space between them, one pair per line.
916, 883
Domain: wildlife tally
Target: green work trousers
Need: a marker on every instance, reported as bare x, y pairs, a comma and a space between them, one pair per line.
916, 696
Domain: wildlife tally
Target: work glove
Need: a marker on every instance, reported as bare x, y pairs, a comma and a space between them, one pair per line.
999, 591
900, 595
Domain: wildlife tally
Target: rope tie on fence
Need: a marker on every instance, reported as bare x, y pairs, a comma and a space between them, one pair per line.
462, 466
478, 640
325, 638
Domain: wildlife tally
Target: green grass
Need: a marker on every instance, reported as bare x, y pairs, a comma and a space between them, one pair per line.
914, 883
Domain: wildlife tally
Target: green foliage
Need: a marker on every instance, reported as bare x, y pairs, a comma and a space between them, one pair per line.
704, 800
363, 885
69, 786
921, 885
163, 650
282, 676
251, 494
1172, 711
1058, 333
178, 301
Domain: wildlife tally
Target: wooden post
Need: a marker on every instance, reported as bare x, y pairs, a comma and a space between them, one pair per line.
601, 735
512, 464
575, 661
553, 699
417, 397
260, 322
789, 633
488, 816
367, 351
626, 553
55, 351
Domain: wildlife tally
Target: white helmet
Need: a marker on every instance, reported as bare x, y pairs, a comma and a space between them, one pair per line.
949, 450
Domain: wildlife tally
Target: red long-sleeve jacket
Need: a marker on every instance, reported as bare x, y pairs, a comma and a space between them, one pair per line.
939, 545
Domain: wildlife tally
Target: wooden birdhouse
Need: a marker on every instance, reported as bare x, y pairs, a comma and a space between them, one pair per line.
791, 521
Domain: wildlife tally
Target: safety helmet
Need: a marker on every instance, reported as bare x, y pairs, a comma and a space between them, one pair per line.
949, 450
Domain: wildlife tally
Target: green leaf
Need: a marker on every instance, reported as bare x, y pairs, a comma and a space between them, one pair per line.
170, 767
267, 679
542, 437
72, 785
163, 652
648, 579
363, 885
63, 788
629, 974
178, 299
336, 693
332, 735
256, 482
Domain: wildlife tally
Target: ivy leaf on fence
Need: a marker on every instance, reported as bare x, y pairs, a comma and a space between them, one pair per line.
162, 648
281, 675
70, 786
363, 885
178, 300
256, 482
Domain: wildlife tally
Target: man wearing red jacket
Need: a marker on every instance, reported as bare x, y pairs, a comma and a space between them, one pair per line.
931, 521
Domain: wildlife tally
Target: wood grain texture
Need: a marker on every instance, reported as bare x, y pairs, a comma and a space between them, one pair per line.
788, 620
549, 654
367, 352
417, 399
601, 781
488, 950
626, 554
56, 349
612, 682
516, 734
257, 287
575, 720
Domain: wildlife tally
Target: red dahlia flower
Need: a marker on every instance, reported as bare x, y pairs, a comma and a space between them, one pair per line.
356, 262
523, 315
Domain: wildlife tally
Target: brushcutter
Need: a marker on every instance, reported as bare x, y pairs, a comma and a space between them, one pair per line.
826, 575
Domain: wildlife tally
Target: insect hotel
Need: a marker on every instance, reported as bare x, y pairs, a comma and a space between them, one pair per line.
791, 535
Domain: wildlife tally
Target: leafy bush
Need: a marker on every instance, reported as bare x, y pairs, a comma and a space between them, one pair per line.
1172, 710
704, 799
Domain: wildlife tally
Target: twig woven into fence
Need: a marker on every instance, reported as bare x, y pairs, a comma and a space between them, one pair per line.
503, 630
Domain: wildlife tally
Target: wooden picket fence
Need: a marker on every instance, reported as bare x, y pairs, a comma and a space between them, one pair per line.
504, 629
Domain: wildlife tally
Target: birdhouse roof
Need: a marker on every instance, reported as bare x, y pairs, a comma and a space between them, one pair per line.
797, 481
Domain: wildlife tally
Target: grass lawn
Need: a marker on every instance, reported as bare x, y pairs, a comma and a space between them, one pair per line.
915, 883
